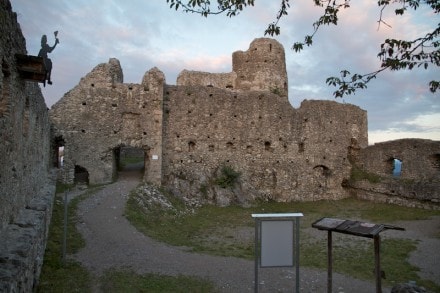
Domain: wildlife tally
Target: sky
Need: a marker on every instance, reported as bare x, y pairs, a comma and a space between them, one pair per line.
143, 34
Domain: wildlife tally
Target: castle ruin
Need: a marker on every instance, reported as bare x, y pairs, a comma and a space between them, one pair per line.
189, 131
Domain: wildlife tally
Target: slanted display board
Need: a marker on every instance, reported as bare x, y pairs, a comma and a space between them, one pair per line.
277, 242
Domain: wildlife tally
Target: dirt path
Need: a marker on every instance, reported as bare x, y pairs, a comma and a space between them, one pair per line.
111, 242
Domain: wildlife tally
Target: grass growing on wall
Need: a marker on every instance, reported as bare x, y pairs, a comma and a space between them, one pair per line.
228, 177
358, 174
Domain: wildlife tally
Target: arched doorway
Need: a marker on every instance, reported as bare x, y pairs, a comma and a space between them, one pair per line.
129, 160
81, 175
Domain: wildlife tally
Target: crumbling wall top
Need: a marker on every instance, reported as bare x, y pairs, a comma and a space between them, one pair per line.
105, 73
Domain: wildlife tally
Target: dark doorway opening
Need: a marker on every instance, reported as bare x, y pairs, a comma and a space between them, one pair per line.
130, 160
81, 175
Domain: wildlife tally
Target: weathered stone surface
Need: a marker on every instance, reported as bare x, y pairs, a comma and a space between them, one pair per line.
189, 131
26, 185
417, 185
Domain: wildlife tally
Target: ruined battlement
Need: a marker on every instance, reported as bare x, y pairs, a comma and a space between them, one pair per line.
261, 67
196, 78
190, 130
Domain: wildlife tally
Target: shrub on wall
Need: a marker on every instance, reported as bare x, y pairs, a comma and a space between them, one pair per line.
228, 177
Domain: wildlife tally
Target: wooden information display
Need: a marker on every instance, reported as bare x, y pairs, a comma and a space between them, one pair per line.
356, 228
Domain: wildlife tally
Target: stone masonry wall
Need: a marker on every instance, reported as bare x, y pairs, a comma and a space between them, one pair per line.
419, 181
196, 78
189, 132
282, 153
261, 67
104, 114
27, 186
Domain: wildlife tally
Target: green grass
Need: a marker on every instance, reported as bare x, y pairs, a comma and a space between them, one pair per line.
128, 281
56, 275
69, 276
128, 160
359, 174
354, 256
210, 229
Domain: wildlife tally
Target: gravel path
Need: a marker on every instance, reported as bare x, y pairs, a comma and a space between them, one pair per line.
111, 242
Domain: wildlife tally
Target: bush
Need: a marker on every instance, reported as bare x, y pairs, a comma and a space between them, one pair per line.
227, 178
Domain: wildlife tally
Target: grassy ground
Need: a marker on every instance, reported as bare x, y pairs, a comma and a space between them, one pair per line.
230, 232
127, 281
58, 275
69, 276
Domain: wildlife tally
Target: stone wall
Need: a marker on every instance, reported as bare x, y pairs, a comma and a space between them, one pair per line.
261, 67
190, 131
418, 183
26, 185
101, 114
282, 153
197, 78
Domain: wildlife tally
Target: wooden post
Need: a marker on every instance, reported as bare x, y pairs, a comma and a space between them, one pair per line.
329, 262
377, 269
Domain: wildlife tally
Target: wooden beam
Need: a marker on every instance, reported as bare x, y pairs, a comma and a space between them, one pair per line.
31, 68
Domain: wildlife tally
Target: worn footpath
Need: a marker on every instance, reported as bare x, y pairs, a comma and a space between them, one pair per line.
113, 243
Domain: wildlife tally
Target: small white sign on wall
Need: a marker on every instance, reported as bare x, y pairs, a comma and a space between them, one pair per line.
155, 157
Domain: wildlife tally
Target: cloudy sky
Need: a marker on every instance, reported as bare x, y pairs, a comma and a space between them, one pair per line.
146, 33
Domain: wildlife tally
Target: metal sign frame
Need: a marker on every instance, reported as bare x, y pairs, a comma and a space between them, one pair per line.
277, 242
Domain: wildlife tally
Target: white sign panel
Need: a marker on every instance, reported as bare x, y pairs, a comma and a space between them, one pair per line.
155, 157
277, 243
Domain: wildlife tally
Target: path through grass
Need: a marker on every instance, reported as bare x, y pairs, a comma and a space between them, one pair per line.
229, 231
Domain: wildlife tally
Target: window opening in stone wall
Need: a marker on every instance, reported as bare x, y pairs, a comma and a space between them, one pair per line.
191, 146
301, 147
58, 147
397, 167
81, 175
267, 145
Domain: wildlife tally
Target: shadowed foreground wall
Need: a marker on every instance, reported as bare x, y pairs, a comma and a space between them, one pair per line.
26, 185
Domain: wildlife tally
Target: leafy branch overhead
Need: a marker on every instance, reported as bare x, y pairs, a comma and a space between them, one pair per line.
421, 52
